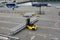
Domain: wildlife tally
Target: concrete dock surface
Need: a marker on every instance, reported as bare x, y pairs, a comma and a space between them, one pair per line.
48, 25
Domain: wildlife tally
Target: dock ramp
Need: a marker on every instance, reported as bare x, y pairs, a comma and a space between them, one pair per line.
11, 25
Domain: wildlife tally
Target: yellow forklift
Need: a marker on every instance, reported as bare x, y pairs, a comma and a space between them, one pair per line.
30, 25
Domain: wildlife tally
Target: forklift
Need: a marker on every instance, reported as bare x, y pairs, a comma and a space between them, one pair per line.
30, 25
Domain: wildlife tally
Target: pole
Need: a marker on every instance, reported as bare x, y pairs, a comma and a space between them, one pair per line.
28, 21
40, 10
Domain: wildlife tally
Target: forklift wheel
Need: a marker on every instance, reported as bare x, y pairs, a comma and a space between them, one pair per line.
34, 29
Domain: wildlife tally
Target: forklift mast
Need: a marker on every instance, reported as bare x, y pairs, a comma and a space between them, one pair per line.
28, 21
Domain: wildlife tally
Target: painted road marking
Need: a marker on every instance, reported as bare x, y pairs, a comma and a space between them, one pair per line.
56, 24
51, 28
37, 34
43, 35
55, 38
33, 37
5, 28
49, 19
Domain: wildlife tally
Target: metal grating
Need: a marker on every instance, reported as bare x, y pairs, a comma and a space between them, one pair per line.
9, 26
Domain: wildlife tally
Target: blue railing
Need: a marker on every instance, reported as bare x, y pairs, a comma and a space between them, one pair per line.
12, 6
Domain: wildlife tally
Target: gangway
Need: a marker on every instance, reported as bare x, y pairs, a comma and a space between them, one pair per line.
11, 26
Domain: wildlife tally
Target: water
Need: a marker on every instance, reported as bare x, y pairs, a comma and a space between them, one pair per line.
53, 3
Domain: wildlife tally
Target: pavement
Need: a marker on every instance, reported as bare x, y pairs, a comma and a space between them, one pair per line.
48, 26
9, 25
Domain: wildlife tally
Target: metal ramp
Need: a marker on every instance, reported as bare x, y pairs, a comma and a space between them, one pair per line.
10, 29
10, 25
